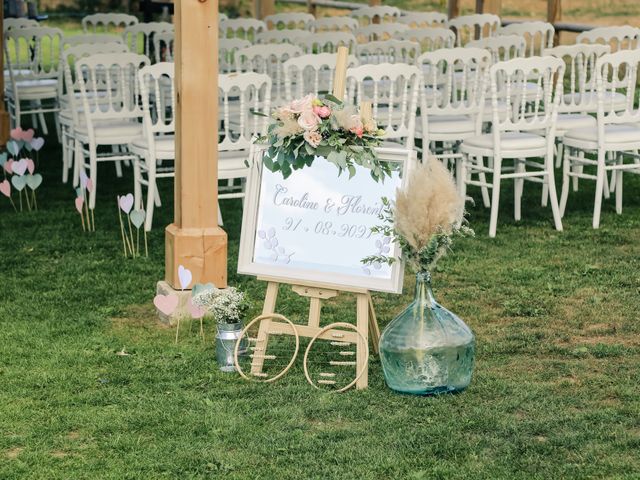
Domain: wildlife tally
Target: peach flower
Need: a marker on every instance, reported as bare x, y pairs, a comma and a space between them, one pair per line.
313, 138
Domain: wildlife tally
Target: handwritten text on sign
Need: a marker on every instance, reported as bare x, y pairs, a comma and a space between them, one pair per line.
315, 220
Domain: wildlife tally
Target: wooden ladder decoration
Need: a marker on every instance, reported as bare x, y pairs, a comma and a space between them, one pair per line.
366, 322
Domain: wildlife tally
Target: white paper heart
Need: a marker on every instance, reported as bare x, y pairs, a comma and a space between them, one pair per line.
137, 218
126, 202
37, 143
18, 182
83, 179
185, 277
20, 166
34, 181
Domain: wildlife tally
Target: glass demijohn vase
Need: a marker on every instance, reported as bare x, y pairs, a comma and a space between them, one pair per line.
427, 349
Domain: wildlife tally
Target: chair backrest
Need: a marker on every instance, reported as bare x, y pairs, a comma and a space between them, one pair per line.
459, 76
335, 24
388, 51
245, 28
381, 13
268, 59
383, 31
109, 86
16, 23
222, 17
68, 88
292, 20
537, 35
33, 53
239, 95
139, 37
107, 22
227, 48
91, 38
474, 27
618, 38
430, 39
503, 47
163, 47
423, 19
157, 90
327, 42
617, 73
311, 73
279, 36
580, 86
393, 91
530, 89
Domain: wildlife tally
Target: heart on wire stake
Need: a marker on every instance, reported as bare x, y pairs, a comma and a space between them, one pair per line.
3, 158
13, 148
83, 179
16, 133
167, 304
37, 143
89, 185
196, 311
8, 166
30, 166
19, 167
18, 182
185, 277
126, 203
27, 135
5, 188
137, 218
34, 181
79, 202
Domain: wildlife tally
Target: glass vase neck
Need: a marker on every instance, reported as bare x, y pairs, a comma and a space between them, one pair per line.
424, 294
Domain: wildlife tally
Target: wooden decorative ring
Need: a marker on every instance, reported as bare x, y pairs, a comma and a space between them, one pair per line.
332, 326
260, 318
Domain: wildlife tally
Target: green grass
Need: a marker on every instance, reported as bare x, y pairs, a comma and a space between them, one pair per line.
555, 391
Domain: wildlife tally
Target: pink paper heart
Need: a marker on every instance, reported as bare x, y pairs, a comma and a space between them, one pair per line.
8, 166
196, 311
19, 167
89, 185
16, 133
31, 166
5, 188
27, 135
167, 304
79, 203
126, 203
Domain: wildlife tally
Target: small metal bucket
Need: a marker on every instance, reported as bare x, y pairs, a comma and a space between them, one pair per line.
226, 338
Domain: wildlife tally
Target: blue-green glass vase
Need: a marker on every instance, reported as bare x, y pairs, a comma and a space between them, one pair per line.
427, 349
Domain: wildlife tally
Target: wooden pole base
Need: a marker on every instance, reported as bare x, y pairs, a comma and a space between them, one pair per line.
203, 251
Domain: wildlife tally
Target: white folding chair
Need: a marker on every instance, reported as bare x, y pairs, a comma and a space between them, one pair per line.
327, 42
163, 44
269, 59
388, 51
110, 92
311, 73
245, 28
71, 109
107, 22
525, 135
32, 56
380, 13
291, 20
423, 19
139, 37
155, 150
474, 27
227, 48
430, 39
537, 35
335, 24
383, 31
617, 131
618, 38
17, 23
393, 91
279, 36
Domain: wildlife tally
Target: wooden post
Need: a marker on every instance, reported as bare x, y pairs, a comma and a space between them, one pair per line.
488, 6
554, 14
195, 240
453, 8
4, 115
312, 8
340, 75
264, 8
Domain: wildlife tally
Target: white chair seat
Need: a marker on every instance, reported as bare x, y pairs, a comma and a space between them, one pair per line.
450, 124
571, 121
165, 146
511, 144
37, 88
232, 162
112, 132
613, 134
589, 101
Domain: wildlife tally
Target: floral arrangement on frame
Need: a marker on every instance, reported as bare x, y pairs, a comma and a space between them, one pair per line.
308, 127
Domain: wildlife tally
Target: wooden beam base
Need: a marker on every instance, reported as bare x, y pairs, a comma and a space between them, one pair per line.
203, 251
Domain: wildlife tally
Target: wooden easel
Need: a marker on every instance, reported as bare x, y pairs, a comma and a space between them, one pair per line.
366, 322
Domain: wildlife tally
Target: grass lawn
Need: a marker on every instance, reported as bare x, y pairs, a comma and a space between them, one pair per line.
555, 392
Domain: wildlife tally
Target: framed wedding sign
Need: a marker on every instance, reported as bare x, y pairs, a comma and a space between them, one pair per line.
315, 225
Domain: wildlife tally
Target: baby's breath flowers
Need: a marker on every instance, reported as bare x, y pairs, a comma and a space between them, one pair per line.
225, 305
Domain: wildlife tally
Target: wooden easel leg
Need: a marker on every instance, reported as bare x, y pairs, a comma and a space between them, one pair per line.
263, 332
374, 329
362, 325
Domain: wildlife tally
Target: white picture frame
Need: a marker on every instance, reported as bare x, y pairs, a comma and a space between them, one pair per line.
259, 213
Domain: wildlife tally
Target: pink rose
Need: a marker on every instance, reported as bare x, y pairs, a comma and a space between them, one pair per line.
308, 120
322, 111
312, 137
358, 131
301, 105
